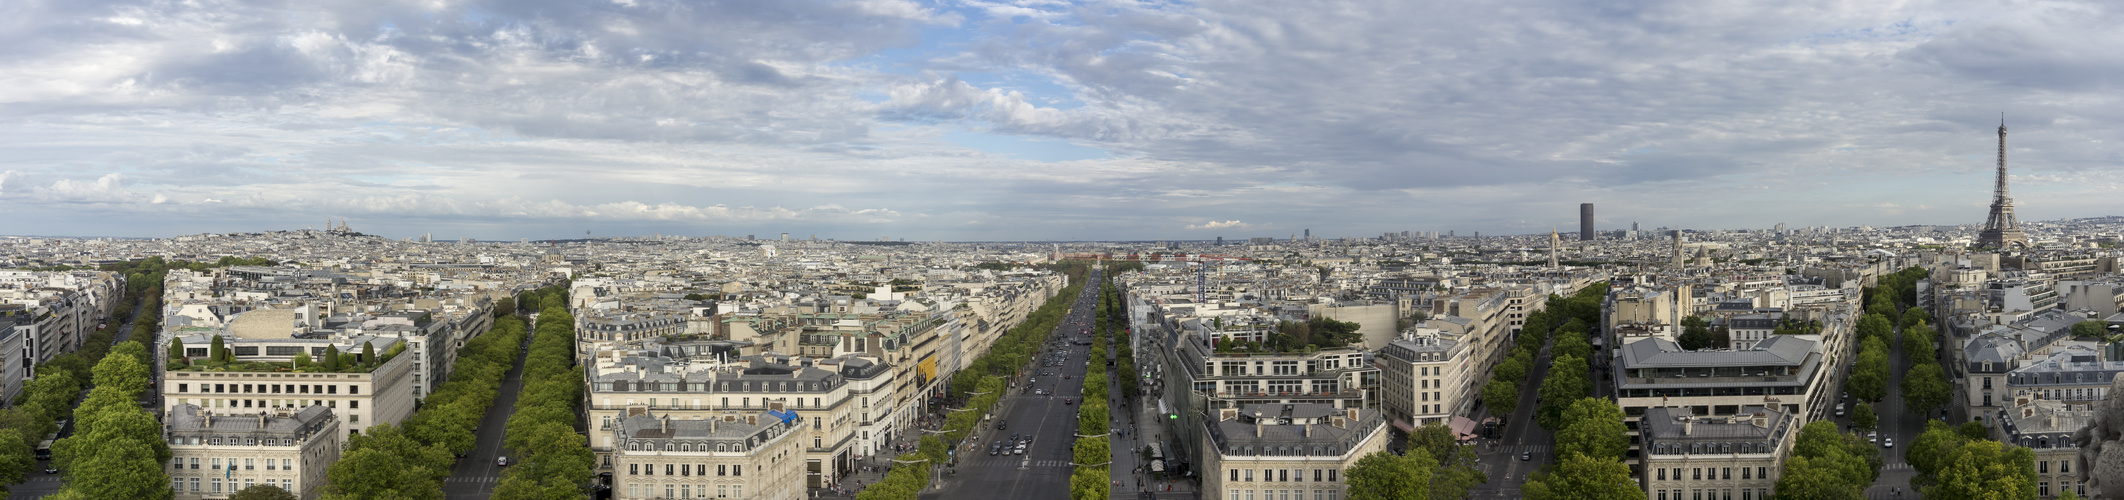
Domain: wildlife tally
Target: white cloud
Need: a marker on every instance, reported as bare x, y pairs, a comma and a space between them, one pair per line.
1226, 224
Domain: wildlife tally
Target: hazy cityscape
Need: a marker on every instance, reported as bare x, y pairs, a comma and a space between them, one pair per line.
1061, 250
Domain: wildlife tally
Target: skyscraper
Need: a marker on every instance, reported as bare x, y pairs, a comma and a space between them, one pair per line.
1585, 222
2000, 229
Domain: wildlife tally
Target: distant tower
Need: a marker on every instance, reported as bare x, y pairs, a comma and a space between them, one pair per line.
1585, 222
1554, 240
1308, 234
2000, 229
1678, 263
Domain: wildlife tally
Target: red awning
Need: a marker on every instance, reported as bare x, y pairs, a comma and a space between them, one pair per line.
1463, 428
1404, 426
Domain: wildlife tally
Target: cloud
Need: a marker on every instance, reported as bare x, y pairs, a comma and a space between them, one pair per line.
1228, 224
1352, 117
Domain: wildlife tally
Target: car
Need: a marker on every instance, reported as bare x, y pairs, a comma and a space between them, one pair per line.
1019, 451
1888, 443
51, 469
1002, 424
1065, 376
501, 461
993, 450
1526, 455
1069, 401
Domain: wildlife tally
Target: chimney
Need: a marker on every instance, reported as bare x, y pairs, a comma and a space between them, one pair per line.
1309, 429
665, 423
1257, 424
1688, 424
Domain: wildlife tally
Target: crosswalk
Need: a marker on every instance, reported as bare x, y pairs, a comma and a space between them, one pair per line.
1516, 449
1896, 466
473, 480
1000, 461
48, 478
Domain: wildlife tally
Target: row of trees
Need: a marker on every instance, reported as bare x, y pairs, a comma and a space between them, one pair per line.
556, 457
1590, 442
1828, 464
117, 450
1092, 452
1963, 462
1869, 379
410, 460
1573, 315
1436, 467
980, 386
1925, 385
48, 398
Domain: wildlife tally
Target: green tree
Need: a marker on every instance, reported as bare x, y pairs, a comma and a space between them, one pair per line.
1456, 472
176, 349
215, 353
119, 468
1696, 334
302, 358
368, 352
1807, 478
1986, 469
1593, 427
2092, 329
263, 492
1567, 382
1862, 417
504, 307
1501, 396
1572, 346
1974, 430
1386, 476
1925, 388
1512, 369
1579, 477
331, 358
1930, 450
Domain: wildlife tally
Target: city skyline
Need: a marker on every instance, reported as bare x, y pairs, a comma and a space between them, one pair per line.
1045, 121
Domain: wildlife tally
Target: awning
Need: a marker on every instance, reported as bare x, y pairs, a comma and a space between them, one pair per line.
1158, 465
1404, 426
1463, 428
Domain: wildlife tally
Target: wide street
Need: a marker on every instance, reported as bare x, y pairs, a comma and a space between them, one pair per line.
1042, 473
1500, 457
37, 484
475, 475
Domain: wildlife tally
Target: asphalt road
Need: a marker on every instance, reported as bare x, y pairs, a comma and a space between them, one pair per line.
1500, 457
475, 475
1042, 473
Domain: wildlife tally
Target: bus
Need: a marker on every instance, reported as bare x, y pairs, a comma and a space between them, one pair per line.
44, 449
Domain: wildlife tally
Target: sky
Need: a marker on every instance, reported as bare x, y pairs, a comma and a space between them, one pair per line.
1046, 119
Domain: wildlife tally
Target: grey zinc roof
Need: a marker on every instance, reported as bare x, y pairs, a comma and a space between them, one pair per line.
1790, 350
1993, 348
655, 427
1664, 423
191, 418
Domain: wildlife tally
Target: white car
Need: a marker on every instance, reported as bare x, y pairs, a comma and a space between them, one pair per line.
1889, 442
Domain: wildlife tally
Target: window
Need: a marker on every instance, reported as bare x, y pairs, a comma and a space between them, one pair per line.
282, 350
354, 405
1235, 477
247, 465
1727, 473
1284, 475
195, 485
1697, 474
667, 469
2042, 467
270, 465
1249, 475
287, 464
634, 469
1663, 477
1316, 475
2064, 466
217, 461
1762, 472
1744, 475
195, 466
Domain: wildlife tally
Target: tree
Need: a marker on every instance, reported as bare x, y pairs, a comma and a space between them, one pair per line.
1975, 430
302, 359
215, 353
1929, 451
263, 492
368, 352
1566, 383
1501, 396
1696, 334
2092, 329
1572, 346
331, 360
1386, 476
1808, 478
1512, 369
1862, 417
176, 349
1579, 477
1925, 388
1593, 427
1986, 469
120, 468
504, 307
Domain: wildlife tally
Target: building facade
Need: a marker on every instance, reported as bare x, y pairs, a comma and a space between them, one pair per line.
215, 454
1692, 457
1286, 451
731, 456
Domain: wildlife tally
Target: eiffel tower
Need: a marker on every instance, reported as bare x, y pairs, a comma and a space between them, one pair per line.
2000, 229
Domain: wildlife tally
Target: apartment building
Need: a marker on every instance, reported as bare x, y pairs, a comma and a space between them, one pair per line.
1784, 373
215, 454
839, 402
1687, 456
1285, 451
1987, 359
1639, 310
655, 456
1423, 380
2046, 427
2074, 375
261, 379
